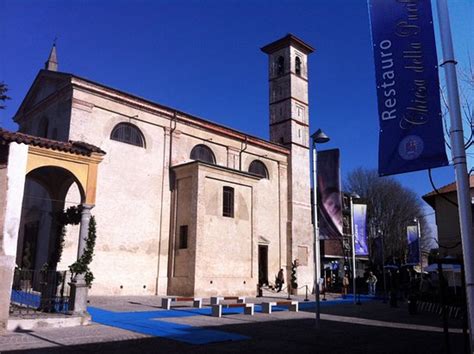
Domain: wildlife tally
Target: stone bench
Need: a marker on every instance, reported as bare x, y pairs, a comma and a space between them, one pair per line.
167, 301
216, 300
217, 308
267, 306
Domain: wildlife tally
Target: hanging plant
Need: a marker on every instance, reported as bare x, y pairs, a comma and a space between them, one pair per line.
70, 216
81, 266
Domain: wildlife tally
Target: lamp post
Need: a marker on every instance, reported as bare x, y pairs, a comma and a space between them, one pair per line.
318, 138
418, 231
351, 199
379, 231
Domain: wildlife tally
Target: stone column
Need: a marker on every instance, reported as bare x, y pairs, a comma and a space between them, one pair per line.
79, 286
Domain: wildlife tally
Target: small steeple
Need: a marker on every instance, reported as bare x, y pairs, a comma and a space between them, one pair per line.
52, 62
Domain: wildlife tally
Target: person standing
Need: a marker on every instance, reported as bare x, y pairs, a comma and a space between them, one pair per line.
280, 280
372, 281
345, 285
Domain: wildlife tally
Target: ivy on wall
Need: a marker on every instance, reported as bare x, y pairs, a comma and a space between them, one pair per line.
70, 216
81, 266
294, 284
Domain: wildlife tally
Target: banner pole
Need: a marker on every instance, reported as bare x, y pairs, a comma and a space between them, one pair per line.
353, 250
459, 159
420, 254
316, 249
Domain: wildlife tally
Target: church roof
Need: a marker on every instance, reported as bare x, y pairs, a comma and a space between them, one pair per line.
74, 147
145, 105
286, 41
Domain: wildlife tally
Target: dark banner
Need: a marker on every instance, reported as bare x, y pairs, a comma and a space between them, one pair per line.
360, 232
377, 249
411, 134
413, 241
329, 194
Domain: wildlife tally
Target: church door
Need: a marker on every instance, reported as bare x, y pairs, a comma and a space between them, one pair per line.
262, 265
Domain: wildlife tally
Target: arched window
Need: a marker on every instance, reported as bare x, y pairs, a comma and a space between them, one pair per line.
258, 168
203, 153
128, 133
43, 127
298, 66
280, 65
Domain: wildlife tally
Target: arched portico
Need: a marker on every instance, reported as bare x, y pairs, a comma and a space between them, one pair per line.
53, 166
82, 167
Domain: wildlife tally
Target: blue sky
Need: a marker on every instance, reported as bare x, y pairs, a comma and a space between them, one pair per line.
203, 57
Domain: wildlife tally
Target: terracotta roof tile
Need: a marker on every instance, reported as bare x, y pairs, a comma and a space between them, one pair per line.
74, 147
429, 198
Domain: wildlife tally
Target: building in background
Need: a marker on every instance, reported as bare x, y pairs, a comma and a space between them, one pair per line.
444, 203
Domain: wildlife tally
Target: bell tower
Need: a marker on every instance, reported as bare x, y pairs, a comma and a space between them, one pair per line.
288, 77
289, 126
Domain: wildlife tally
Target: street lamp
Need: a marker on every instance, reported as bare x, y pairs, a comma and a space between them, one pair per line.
418, 231
351, 199
318, 138
379, 231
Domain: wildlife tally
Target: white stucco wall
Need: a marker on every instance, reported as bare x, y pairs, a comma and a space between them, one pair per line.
17, 159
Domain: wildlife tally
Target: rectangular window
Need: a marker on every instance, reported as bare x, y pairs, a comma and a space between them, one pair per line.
228, 202
183, 236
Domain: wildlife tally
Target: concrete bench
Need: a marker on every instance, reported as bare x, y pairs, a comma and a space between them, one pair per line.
267, 306
166, 302
216, 300
217, 308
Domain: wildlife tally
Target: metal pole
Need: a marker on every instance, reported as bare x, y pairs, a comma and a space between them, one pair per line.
383, 269
353, 250
419, 245
459, 159
317, 261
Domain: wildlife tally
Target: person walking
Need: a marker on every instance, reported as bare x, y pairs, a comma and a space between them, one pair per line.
345, 285
372, 281
280, 280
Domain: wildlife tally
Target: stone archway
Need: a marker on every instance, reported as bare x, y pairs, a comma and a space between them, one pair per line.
44, 161
45, 194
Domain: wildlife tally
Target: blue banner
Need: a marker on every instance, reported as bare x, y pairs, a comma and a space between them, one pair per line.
413, 242
360, 232
411, 136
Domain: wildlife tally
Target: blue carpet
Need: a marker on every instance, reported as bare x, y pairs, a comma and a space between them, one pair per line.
24, 298
145, 323
34, 300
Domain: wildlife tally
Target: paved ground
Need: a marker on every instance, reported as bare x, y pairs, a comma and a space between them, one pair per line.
372, 327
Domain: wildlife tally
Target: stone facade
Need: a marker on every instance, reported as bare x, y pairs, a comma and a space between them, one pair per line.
147, 194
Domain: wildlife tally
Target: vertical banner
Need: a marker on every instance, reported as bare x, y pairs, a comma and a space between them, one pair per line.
360, 232
413, 242
329, 194
377, 249
411, 136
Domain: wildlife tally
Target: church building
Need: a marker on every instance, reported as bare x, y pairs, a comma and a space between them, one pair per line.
183, 206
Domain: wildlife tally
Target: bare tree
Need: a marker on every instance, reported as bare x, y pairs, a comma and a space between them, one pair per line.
3, 94
466, 97
390, 209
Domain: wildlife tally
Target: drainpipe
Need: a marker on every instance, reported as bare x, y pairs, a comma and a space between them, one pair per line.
172, 129
241, 151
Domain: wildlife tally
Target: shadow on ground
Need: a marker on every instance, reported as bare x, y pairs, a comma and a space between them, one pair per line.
288, 336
